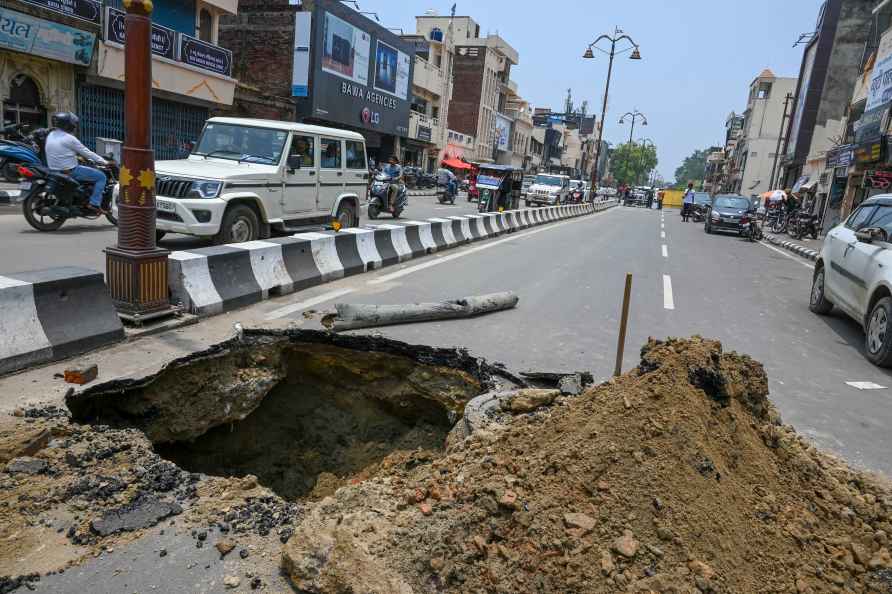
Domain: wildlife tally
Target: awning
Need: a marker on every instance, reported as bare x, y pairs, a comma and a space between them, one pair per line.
456, 164
800, 182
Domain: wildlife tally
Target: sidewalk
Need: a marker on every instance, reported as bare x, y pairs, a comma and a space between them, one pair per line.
809, 249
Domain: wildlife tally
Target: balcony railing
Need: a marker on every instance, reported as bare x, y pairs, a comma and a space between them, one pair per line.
429, 77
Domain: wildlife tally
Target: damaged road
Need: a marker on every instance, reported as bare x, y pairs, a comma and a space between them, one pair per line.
329, 463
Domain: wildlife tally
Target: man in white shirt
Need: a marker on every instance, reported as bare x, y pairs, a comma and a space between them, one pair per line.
62, 150
687, 203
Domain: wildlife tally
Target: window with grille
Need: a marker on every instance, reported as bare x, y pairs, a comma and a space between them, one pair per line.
174, 125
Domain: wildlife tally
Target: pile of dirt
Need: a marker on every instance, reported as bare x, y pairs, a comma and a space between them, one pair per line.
677, 477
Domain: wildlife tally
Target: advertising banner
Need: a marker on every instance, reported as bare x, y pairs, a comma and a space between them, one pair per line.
206, 56
361, 72
503, 132
345, 50
300, 77
842, 156
880, 90
86, 10
872, 125
164, 40
423, 134
31, 35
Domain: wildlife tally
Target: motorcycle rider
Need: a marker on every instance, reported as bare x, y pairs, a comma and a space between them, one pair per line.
393, 171
62, 150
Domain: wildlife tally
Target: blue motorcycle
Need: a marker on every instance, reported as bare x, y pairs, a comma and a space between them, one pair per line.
17, 149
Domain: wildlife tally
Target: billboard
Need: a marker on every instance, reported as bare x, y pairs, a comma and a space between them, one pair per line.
360, 73
880, 90
503, 132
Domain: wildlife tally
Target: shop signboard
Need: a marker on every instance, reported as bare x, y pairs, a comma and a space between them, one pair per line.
869, 152
878, 180
842, 156
360, 72
85, 10
872, 125
206, 56
880, 90
423, 134
164, 40
23, 33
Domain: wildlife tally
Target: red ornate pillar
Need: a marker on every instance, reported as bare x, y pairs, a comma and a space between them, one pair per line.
136, 269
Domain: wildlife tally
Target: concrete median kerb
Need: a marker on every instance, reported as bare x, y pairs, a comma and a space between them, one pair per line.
53, 314
214, 280
799, 250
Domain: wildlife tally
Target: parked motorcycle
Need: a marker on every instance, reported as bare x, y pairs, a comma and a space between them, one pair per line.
749, 226
378, 200
802, 224
18, 149
51, 197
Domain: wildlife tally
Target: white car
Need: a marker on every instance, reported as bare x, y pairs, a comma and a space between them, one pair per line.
248, 178
854, 274
548, 190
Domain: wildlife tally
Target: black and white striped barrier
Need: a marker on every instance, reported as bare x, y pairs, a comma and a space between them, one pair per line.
212, 280
801, 250
47, 315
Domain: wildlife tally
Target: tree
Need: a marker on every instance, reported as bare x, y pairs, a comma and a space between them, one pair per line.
693, 169
631, 163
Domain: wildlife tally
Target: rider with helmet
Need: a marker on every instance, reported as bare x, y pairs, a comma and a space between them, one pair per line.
62, 150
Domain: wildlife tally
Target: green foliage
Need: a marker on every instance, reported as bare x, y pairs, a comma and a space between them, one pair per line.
694, 168
631, 163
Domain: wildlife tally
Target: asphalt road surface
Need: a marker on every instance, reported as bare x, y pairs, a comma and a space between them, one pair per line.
80, 242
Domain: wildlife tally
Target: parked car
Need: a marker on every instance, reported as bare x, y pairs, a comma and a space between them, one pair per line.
247, 178
725, 212
548, 190
854, 274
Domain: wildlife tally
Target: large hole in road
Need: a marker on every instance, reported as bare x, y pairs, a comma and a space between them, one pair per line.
303, 411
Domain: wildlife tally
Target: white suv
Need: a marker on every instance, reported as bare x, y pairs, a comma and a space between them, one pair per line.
854, 273
247, 178
548, 190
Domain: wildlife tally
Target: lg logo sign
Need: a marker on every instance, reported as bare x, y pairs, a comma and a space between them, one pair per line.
370, 117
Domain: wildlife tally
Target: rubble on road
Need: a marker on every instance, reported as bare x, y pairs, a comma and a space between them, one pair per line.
677, 477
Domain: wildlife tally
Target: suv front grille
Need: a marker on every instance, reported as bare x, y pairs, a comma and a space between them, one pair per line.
172, 188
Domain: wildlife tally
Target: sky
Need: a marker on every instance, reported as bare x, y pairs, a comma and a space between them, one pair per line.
699, 57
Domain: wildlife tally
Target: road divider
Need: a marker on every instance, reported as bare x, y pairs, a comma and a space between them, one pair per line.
210, 281
792, 246
52, 314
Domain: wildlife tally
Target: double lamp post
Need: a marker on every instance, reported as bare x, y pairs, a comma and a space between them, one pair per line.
620, 43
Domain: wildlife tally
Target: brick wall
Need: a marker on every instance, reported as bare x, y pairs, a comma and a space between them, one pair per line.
261, 38
464, 109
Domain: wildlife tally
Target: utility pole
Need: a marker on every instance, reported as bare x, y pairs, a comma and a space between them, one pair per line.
636, 55
780, 137
136, 269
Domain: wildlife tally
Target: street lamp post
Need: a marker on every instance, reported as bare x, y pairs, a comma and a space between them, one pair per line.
618, 37
635, 115
136, 269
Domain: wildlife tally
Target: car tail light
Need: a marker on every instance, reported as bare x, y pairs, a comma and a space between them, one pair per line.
25, 172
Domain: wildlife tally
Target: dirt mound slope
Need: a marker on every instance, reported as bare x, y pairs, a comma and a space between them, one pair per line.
677, 477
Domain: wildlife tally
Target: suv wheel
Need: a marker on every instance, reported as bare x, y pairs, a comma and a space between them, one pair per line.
239, 224
879, 333
346, 215
818, 302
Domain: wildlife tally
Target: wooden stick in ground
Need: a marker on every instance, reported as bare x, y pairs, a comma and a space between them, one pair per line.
621, 342
354, 316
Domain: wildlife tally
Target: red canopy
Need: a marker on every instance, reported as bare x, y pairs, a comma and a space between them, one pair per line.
456, 164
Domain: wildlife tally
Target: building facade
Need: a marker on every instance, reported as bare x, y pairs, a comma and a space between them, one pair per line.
69, 56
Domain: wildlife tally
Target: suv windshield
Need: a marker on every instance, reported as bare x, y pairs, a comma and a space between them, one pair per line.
242, 143
547, 180
738, 202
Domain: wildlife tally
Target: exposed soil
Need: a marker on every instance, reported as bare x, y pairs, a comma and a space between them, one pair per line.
677, 477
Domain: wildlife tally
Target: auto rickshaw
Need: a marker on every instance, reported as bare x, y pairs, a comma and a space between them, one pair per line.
500, 187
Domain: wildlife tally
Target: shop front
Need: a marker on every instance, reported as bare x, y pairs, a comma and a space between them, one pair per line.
40, 60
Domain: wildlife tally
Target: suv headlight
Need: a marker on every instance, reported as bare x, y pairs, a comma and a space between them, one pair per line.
205, 189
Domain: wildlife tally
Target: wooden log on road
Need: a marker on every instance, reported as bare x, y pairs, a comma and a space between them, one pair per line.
355, 316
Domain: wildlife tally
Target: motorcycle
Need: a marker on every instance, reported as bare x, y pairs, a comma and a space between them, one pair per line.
17, 149
51, 197
699, 213
447, 193
802, 224
749, 227
378, 200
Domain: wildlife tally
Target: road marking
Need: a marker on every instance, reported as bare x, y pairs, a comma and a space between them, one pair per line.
786, 255
443, 259
662, 235
668, 301
866, 385
295, 307
662, 225
665, 251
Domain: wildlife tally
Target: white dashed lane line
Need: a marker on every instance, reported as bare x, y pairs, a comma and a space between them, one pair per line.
668, 300
665, 251
662, 235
